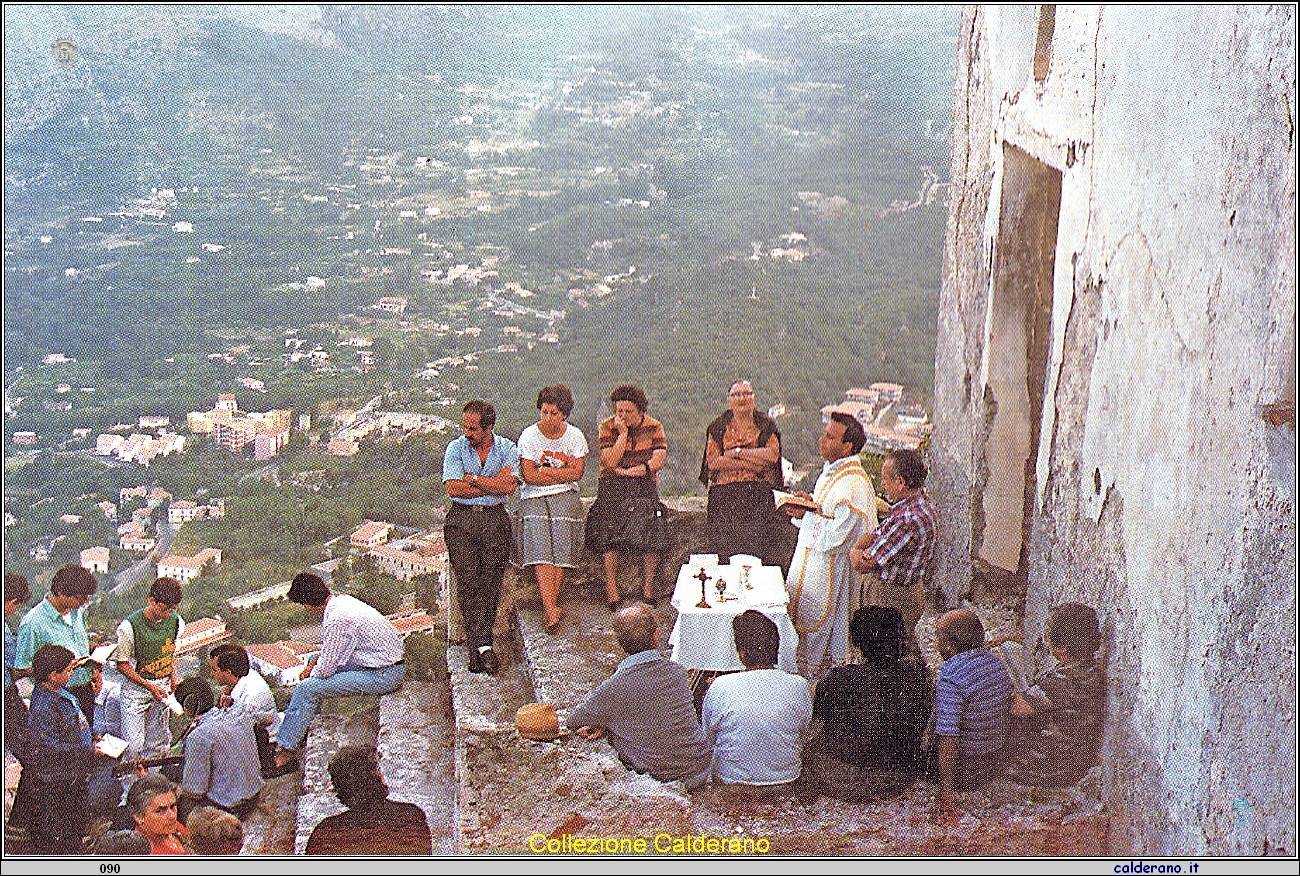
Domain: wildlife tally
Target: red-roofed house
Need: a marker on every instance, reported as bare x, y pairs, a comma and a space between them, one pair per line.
187, 568
857, 393
127, 493
281, 662
409, 623
371, 534
95, 559
201, 633
182, 512
891, 391
135, 540
406, 564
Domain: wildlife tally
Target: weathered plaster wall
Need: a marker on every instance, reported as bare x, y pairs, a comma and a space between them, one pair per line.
1162, 495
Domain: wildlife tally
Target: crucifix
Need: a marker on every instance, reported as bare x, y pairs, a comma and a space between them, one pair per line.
703, 578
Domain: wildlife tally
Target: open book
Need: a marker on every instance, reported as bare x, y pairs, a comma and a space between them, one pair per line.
111, 745
1016, 660
100, 655
793, 501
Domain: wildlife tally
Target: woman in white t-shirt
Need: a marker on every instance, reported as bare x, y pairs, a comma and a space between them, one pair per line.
551, 454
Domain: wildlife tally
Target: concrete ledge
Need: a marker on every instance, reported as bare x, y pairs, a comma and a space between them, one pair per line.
348, 721
413, 744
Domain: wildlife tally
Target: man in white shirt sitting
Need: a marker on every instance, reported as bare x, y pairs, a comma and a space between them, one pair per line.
756, 720
360, 653
245, 690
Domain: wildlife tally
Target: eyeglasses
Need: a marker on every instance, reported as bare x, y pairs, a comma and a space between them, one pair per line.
743, 394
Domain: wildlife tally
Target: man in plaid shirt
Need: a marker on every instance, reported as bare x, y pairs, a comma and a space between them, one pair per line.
896, 560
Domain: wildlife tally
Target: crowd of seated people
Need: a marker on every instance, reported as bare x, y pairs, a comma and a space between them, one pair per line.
864, 731
858, 731
79, 793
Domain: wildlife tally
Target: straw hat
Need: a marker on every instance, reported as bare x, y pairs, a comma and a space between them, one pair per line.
537, 721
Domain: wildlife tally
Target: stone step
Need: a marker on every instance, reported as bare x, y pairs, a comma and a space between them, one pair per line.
342, 721
415, 755
591, 792
567, 667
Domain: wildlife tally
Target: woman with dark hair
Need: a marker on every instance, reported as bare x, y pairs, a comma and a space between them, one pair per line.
628, 516
741, 466
64, 752
552, 454
873, 714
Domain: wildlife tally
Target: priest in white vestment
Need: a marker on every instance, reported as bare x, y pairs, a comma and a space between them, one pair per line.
822, 585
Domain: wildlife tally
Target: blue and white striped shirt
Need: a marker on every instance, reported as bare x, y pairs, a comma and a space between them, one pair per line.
972, 701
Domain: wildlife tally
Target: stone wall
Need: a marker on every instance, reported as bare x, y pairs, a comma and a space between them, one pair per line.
1117, 346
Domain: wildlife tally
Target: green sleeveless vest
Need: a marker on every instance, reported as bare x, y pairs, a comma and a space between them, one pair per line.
155, 645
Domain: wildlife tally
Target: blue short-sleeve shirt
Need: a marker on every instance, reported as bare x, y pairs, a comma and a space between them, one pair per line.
43, 625
461, 459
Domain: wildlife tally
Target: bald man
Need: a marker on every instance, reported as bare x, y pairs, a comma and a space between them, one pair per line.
647, 708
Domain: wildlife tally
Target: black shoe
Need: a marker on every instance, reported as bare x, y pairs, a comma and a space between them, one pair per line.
488, 660
475, 661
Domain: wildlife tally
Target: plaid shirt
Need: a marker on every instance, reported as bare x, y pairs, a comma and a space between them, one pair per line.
903, 546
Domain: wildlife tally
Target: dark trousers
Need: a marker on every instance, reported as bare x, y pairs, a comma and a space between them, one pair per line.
85, 695
18, 739
265, 748
478, 547
59, 816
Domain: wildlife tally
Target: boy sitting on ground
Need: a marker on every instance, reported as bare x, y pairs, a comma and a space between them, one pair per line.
1057, 722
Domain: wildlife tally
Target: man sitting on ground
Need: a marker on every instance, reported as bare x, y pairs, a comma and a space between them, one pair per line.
1056, 724
971, 702
756, 720
152, 804
647, 708
244, 690
373, 824
221, 767
873, 714
361, 653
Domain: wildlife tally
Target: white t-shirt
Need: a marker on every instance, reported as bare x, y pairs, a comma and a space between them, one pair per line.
755, 721
253, 696
537, 447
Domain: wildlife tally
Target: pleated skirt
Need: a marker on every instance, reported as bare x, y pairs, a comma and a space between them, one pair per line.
549, 530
